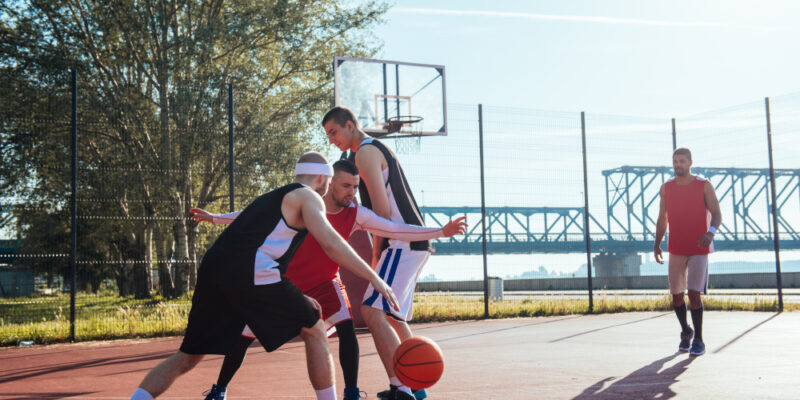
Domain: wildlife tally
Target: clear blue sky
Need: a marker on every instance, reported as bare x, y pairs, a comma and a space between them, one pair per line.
642, 58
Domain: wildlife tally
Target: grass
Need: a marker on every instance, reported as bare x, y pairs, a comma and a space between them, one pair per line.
107, 316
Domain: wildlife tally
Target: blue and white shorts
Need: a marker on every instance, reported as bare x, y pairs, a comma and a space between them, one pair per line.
399, 267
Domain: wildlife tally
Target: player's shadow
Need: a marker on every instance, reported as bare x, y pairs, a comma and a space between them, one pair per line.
652, 381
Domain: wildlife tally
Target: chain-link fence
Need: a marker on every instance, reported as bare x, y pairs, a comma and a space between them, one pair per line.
532, 180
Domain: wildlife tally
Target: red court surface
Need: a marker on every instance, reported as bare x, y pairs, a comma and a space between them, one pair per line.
610, 356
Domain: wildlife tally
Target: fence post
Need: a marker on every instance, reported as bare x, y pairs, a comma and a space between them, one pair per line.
74, 207
775, 227
586, 227
674, 136
483, 217
230, 146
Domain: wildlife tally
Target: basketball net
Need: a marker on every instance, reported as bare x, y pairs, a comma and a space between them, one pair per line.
409, 144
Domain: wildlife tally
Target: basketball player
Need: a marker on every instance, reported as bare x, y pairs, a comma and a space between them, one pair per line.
317, 276
384, 190
241, 282
690, 208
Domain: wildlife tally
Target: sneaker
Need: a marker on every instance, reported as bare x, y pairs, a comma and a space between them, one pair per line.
420, 394
698, 348
388, 394
353, 394
686, 337
216, 393
401, 395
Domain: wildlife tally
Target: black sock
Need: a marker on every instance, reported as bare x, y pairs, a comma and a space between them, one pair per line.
348, 353
233, 361
697, 321
680, 311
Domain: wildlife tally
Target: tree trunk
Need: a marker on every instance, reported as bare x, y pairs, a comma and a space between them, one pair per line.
167, 287
142, 276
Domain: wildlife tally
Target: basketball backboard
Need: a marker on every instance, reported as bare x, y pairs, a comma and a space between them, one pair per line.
391, 97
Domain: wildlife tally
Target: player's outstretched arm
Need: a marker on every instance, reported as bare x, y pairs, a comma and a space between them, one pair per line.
200, 215
313, 213
377, 225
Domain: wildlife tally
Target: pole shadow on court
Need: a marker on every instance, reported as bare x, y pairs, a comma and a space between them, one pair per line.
649, 382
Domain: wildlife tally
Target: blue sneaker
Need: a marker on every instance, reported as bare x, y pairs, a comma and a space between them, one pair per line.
216, 393
353, 394
686, 338
420, 394
698, 348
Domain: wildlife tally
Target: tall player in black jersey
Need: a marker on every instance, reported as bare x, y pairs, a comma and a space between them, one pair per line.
384, 189
241, 281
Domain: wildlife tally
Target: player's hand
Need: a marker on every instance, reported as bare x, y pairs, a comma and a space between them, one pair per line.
200, 215
315, 304
457, 227
384, 289
657, 254
705, 240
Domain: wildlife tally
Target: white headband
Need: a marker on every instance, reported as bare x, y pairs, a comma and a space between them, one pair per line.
307, 168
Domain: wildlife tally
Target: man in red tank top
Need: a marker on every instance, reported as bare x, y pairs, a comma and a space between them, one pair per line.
690, 208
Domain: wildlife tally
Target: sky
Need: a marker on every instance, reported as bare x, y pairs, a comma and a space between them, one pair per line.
640, 58
630, 58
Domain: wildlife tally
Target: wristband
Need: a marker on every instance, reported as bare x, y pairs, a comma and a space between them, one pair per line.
712, 230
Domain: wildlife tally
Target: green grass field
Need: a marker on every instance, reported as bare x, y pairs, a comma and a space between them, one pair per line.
46, 319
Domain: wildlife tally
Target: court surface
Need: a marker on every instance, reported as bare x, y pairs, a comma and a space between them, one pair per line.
610, 356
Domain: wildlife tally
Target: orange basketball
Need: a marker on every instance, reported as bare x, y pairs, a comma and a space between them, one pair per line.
418, 362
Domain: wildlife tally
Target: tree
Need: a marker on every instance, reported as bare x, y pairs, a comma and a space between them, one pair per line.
153, 106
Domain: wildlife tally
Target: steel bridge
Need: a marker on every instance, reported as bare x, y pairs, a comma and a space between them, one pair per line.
627, 224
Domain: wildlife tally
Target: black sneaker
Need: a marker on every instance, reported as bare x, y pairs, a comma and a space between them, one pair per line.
401, 395
388, 394
216, 393
686, 338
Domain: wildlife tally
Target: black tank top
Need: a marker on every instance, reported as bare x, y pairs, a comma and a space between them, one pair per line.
403, 196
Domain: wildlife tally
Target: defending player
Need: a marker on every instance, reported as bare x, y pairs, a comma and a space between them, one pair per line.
384, 189
241, 282
317, 276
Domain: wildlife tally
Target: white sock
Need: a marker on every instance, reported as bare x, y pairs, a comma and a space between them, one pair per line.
403, 388
141, 394
327, 394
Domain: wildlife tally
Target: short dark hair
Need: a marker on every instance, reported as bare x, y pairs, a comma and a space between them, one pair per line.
682, 151
341, 115
346, 166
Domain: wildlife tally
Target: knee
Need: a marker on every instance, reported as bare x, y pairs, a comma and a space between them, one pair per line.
315, 332
695, 299
185, 362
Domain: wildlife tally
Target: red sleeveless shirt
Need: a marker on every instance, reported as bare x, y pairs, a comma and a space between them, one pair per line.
687, 216
310, 266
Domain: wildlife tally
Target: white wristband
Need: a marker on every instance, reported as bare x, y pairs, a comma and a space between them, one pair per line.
712, 230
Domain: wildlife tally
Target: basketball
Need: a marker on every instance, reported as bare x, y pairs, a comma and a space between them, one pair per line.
418, 362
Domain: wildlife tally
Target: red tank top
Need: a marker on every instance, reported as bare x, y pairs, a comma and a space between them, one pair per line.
310, 266
687, 216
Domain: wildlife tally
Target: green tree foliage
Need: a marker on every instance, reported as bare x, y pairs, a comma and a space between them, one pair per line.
152, 131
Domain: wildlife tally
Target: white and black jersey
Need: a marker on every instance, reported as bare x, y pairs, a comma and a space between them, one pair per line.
401, 200
240, 282
260, 237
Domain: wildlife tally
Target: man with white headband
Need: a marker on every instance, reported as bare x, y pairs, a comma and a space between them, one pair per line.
241, 282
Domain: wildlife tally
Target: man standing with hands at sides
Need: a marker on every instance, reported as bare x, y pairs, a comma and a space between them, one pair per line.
690, 207
241, 282
386, 192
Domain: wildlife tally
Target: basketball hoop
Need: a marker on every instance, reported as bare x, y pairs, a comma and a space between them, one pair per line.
412, 123
410, 128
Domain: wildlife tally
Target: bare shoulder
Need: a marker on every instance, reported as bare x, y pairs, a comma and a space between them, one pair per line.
368, 155
298, 197
708, 187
